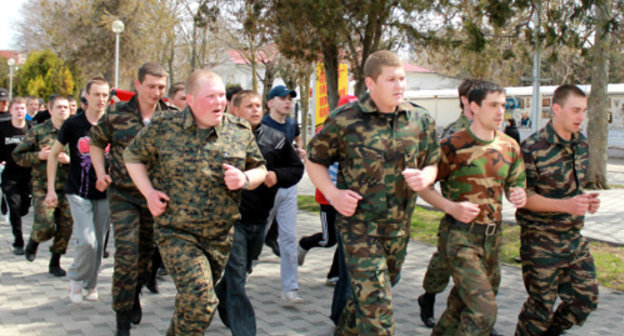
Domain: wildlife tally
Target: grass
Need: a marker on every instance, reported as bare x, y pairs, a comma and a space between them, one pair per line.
609, 259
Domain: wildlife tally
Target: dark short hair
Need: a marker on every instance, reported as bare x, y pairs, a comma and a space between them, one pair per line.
481, 89
54, 99
95, 80
238, 97
562, 93
231, 91
173, 90
153, 69
464, 88
378, 59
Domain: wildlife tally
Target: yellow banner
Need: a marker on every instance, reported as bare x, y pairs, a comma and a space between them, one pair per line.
321, 105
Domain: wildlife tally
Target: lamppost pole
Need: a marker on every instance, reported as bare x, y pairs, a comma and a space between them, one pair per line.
11, 63
118, 28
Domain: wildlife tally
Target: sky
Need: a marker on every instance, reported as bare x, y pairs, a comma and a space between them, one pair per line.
10, 10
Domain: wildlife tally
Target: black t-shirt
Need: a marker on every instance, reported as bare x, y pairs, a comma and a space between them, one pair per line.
41, 116
10, 137
5, 115
81, 179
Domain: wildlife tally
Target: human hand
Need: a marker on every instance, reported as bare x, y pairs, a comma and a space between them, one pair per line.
63, 158
578, 205
345, 201
156, 202
234, 178
517, 197
464, 211
301, 152
103, 182
51, 199
417, 179
270, 179
594, 202
43, 153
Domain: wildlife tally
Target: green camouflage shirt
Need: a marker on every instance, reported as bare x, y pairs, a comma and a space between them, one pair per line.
117, 128
555, 168
26, 154
185, 162
372, 149
480, 171
461, 123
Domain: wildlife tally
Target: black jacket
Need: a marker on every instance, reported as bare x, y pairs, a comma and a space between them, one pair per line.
512, 131
281, 158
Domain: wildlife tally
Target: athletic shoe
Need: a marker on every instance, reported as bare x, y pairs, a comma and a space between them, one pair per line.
291, 297
75, 291
92, 295
301, 253
331, 281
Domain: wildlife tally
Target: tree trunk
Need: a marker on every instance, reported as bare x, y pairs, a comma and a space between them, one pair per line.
330, 58
598, 126
304, 85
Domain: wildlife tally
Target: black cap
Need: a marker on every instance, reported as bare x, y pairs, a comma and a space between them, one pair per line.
281, 91
4, 94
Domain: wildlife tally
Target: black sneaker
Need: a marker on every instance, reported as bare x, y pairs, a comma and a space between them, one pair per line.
57, 271
426, 310
18, 250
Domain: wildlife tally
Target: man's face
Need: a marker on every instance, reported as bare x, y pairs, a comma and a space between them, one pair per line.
207, 102
151, 90
97, 97
4, 105
32, 106
179, 99
571, 115
73, 107
60, 110
387, 91
491, 113
280, 105
18, 111
250, 109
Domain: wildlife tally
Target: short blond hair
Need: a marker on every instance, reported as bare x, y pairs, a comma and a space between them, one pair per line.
378, 59
192, 83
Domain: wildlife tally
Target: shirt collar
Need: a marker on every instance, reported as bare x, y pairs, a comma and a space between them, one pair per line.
553, 138
367, 105
189, 121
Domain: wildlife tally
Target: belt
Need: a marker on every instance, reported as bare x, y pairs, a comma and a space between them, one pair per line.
484, 229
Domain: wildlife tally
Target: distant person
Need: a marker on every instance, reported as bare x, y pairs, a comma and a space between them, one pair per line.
32, 107
512, 130
44, 114
49, 222
177, 95
4, 105
556, 259
525, 121
16, 185
230, 92
73, 105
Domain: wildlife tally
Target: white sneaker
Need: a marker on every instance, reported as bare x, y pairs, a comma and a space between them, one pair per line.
301, 253
75, 291
92, 295
331, 281
291, 297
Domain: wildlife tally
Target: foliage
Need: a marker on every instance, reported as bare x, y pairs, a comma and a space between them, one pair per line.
44, 74
4, 72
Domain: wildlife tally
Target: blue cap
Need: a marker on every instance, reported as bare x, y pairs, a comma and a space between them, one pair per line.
281, 91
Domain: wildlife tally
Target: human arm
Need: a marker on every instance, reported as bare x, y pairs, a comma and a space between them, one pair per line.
235, 178
26, 154
577, 205
98, 161
344, 201
156, 199
418, 179
51, 198
300, 151
462, 211
288, 169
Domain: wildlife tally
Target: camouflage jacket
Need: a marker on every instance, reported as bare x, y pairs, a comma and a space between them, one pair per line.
26, 154
480, 171
117, 128
185, 162
555, 168
461, 123
372, 149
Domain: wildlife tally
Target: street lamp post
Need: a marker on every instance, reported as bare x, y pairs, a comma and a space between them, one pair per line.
11, 63
118, 28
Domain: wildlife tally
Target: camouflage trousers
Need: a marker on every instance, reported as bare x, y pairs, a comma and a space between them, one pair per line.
475, 267
195, 265
133, 227
556, 264
51, 222
373, 264
438, 272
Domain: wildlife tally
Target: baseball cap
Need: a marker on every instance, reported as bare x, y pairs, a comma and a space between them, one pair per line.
4, 94
281, 91
346, 99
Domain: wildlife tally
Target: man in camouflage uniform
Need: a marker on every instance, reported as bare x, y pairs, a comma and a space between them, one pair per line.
381, 144
438, 272
477, 166
49, 222
133, 224
555, 256
199, 160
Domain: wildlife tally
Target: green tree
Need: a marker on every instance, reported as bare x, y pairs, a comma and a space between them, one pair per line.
44, 74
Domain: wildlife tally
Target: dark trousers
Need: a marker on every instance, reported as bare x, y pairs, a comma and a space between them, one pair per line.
234, 307
17, 195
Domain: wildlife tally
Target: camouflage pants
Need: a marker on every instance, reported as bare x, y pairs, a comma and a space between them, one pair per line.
438, 272
373, 264
556, 265
52, 222
195, 264
475, 267
134, 245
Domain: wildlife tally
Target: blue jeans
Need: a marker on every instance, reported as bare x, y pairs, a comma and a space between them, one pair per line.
235, 308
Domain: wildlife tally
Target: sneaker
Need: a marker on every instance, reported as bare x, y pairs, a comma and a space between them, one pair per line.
18, 250
75, 291
301, 253
291, 297
331, 281
92, 295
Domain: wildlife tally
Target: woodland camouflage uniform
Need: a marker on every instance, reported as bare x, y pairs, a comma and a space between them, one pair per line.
194, 234
479, 172
133, 224
372, 149
555, 256
49, 222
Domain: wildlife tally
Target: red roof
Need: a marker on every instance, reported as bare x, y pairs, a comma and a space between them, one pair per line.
415, 68
264, 55
10, 54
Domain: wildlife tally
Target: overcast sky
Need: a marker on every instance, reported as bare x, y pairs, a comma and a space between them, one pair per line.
10, 10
